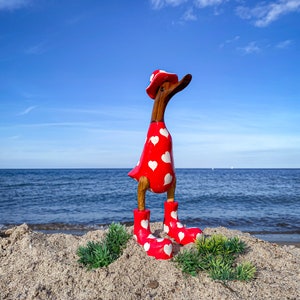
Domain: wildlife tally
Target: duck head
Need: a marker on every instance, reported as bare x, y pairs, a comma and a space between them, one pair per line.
163, 90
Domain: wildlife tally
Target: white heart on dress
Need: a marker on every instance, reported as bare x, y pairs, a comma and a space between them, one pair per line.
179, 225
166, 228
168, 249
154, 139
159, 240
164, 132
146, 246
152, 164
174, 214
166, 157
144, 224
181, 235
168, 179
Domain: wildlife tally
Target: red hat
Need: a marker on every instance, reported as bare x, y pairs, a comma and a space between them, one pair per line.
157, 78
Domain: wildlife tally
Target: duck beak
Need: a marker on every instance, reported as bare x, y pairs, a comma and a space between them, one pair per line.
180, 85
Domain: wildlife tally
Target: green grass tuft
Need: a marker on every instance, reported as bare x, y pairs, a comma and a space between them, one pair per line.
101, 254
216, 255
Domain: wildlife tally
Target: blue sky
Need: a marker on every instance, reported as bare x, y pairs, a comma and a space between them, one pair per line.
73, 76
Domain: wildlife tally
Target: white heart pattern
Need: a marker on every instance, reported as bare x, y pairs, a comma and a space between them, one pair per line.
164, 132
166, 228
174, 214
152, 164
168, 249
198, 236
168, 179
144, 224
179, 225
166, 157
146, 246
181, 235
154, 139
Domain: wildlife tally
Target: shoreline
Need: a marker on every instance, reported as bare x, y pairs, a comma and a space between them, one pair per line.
280, 238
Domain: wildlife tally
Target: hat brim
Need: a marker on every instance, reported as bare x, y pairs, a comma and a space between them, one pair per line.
158, 80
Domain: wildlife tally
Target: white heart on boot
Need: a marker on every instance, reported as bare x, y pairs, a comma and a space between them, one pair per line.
154, 140
146, 246
198, 236
168, 249
144, 224
181, 235
174, 214
164, 132
152, 164
166, 157
166, 228
168, 179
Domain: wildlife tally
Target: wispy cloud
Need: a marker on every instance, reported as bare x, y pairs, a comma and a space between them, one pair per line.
27, 110
36, 49
284, 44
205, 3
251, 48
13, 4
261, 15
189, 15
264, 13
75, 19
230, 41
158, 4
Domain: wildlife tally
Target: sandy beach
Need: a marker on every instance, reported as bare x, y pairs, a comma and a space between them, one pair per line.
35, 265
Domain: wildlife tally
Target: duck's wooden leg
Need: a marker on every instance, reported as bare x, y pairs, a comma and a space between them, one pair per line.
143, 185
171, 192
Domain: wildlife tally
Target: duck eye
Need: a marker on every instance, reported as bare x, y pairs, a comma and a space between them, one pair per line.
162, 88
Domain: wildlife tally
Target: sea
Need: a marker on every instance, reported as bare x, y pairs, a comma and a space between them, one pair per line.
262, 202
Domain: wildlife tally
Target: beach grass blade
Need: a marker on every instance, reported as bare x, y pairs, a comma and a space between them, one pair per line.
103, 253
216, 255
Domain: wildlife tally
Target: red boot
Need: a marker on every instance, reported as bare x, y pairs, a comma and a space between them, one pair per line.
158, 247
175, 229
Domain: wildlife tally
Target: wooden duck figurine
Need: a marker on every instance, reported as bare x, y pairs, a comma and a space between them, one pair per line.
155, 172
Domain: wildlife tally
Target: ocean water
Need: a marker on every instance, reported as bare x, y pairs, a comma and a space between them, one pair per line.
264, 202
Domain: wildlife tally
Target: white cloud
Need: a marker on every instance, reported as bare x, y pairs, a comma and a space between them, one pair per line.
261, 15
284, 44
189, 15
36, 49
230, 41
27, 110
13, 4
264, 14
157, 4
251, 48
205, 3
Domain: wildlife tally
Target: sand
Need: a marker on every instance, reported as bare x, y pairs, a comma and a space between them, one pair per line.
34, 265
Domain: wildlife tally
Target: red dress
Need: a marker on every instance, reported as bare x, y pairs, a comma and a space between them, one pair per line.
156, 162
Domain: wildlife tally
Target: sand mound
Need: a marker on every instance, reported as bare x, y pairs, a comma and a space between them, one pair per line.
34, 265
